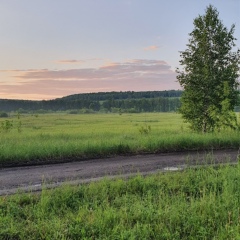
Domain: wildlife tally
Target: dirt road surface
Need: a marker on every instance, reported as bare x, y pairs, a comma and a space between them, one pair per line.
32, 178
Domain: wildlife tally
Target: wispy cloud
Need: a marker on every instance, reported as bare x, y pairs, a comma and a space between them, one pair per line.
132, 75
151, 48
69, 61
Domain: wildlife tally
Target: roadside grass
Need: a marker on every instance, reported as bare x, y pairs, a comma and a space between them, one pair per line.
60, 137
198, 203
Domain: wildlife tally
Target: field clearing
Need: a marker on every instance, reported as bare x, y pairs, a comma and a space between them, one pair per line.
63, 137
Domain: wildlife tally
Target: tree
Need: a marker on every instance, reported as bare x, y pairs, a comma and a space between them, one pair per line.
209, 75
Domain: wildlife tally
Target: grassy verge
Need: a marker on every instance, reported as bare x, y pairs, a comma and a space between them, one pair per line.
60, 137
198, 203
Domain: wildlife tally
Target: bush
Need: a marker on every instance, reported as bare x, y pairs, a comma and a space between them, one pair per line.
6, 126
145, 129
73, 111
86, 110
3, 115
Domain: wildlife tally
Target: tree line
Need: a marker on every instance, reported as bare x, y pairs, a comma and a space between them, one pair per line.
149, 101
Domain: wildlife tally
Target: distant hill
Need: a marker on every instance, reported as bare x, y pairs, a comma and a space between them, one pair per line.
160, 101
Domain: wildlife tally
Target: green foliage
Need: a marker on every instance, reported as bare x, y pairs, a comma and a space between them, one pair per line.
21, 110
19, 126
41, 111
224, 117
146, 129
86, 111
9, 125
73, 111
3, 115
200, 203
210, 73
6, 126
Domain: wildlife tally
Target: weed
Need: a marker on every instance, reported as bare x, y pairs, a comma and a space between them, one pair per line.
19, 126
146, 129
6, 125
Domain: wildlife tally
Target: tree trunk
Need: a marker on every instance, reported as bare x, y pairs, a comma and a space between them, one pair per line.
204, 127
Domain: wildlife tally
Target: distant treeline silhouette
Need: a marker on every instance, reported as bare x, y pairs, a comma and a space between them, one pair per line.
149, 101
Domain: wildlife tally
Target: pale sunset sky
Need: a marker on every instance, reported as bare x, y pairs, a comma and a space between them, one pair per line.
55, 48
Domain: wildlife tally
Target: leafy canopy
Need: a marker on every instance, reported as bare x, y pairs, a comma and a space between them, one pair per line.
209, 74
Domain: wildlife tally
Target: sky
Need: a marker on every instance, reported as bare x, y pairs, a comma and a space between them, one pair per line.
54, 48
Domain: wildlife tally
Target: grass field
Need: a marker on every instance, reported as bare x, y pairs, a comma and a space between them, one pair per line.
195, 204
200, 203
57, 137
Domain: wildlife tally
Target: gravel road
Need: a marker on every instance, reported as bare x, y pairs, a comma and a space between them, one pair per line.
32, 178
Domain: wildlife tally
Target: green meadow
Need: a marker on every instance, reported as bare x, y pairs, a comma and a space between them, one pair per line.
63, 137
197, 203
200, 203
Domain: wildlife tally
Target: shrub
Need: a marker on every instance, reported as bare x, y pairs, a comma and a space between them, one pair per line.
3, 115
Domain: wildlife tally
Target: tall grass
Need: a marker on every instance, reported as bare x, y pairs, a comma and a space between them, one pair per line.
198, 203
58, 137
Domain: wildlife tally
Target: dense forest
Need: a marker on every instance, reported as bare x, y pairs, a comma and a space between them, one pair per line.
149, 101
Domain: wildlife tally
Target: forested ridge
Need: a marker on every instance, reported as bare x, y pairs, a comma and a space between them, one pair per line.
149, 101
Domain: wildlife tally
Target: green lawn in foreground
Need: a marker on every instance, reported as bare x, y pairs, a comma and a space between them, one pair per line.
63, 136
195, 204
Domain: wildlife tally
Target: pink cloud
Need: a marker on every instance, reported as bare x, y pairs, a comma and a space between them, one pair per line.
151, 48
132, 75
